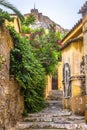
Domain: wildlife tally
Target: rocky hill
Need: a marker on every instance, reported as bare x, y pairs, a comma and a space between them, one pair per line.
44, 21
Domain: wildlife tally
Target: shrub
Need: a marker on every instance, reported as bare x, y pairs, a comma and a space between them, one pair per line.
29, 73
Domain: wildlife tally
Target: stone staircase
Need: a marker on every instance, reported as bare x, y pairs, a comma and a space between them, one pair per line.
54, 99
52, 117
55, 95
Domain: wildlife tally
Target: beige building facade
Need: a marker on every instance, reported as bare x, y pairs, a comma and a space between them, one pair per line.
73, 73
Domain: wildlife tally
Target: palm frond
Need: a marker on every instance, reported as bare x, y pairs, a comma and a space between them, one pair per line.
10, 6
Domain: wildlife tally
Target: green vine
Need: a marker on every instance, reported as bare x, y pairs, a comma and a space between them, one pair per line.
29, 73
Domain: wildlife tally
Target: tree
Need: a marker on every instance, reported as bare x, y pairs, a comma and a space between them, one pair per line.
25, 25
46, 49
30, 20
28, 72
10, 6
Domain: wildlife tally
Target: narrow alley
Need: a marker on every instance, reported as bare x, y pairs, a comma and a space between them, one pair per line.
53, 117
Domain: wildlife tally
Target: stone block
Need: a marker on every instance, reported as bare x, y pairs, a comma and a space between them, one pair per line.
78, 105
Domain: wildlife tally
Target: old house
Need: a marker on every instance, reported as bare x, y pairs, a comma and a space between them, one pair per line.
73, 74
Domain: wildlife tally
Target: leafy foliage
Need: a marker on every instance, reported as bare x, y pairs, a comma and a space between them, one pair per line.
54, 37
4, 16
46, 49
29, 73
10, 6
27, 22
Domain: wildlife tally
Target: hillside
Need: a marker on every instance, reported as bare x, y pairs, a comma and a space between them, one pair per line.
44, 21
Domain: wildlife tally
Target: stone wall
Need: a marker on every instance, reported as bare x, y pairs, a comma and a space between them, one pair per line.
76, 104
11, 102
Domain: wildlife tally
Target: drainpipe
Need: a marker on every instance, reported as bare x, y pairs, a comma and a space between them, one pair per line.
83, 11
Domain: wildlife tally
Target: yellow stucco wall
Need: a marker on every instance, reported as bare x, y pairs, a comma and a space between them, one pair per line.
66, 58
77, 58
60, 76
48, 85
15, 24
76, 88
73, 55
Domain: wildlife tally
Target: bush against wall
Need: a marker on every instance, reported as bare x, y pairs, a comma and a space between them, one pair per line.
45, 45
31, 59
29, 73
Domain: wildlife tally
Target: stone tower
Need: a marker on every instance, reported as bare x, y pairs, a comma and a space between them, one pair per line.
35, 12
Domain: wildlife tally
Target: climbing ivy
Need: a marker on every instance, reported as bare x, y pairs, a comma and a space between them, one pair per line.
28, 71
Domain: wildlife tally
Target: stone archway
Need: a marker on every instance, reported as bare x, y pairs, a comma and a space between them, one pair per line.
66, 80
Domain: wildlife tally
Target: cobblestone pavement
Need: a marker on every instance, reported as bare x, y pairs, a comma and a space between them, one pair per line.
53, 117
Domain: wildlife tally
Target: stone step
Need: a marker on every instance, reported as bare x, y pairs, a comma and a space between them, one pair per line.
63, 117
56, 92
54, 98
45, 129
48, 125
54, 103
45, 118
52, 117
55, 114
55, 95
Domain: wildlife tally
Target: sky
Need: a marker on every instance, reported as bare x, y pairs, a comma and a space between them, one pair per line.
63, 12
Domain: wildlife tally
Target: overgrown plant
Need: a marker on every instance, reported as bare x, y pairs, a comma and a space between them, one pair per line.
25, 24
7, 4
29, 73
46, 49
4, 16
